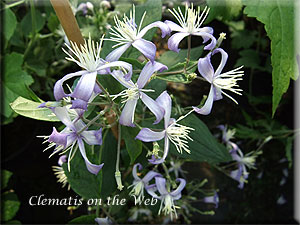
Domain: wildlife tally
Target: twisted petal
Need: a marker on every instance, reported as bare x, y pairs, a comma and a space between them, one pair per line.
206, 36
127, 115
79, 104
206, 30
166, 151
85, 86
176, 194
63, 115
58, 90
153, 107
223, 60
150, 175
92, 168
217, 94
117, 53
93, 137
165, 102
161, 185
147, 72
148, 135
206, 69
206, 109
62, 160
173, 26
119, 76
125, 65
58, 138
147, 48
151, 189
165, 30
175, 39
134, 171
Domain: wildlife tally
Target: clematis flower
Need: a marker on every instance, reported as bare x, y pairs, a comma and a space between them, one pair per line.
127, 33
60, 173
103, 221
244, 161
88, 58
190, 24
167, 197
136, 92
212, 199
176, 133
219, 81
139, 184
73, 136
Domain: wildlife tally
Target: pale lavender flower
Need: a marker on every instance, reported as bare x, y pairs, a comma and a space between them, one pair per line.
127, 33
88, 58
212, 199
166, 196
176, 133
140, 183
72, 137
190, 24
219, 82
135, 92
103, 221
84, 7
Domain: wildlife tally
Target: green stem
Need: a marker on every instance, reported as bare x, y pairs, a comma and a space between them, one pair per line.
118, 173
188, 52
92, 121
14, 4
105, 92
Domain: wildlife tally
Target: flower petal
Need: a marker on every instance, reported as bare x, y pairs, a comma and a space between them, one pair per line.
223, 60
62, 160
147, 72
173, 26
206, 30
63, 115
58, 138
58, 89
165, 102
127, 115
147, 48
206, 69
93, 137
153, 107
206, 37
147, 135
161, 185
175, 39
162, 26
117, 53
79, 104
134, 171
206, 109
178, 190
125, 65
92, 168
149, 176
85, 86
119, 76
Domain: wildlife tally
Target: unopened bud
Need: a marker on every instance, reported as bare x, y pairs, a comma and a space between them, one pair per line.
220, 39
119, 180
156, 149
105, 4
191, 76
90, 6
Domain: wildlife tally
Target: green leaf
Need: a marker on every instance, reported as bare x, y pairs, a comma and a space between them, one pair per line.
52, 22
26, 22
171, 58
288, 150
30, 109
87, 184
16, 81
10, 24
134, 62
225, 9
204, 147
86, 219
249, 58
134, 147
278, 18
5, 178
10, 206
180, 77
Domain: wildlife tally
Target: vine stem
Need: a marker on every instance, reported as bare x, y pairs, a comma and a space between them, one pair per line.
188, 52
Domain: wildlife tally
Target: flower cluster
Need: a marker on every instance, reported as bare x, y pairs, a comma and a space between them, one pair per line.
71, 107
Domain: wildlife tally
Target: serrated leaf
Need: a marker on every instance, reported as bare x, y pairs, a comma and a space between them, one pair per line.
30, 109
10, 24
133, 146
5, 178
204, 147
26, 23
278, 18
86, 219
